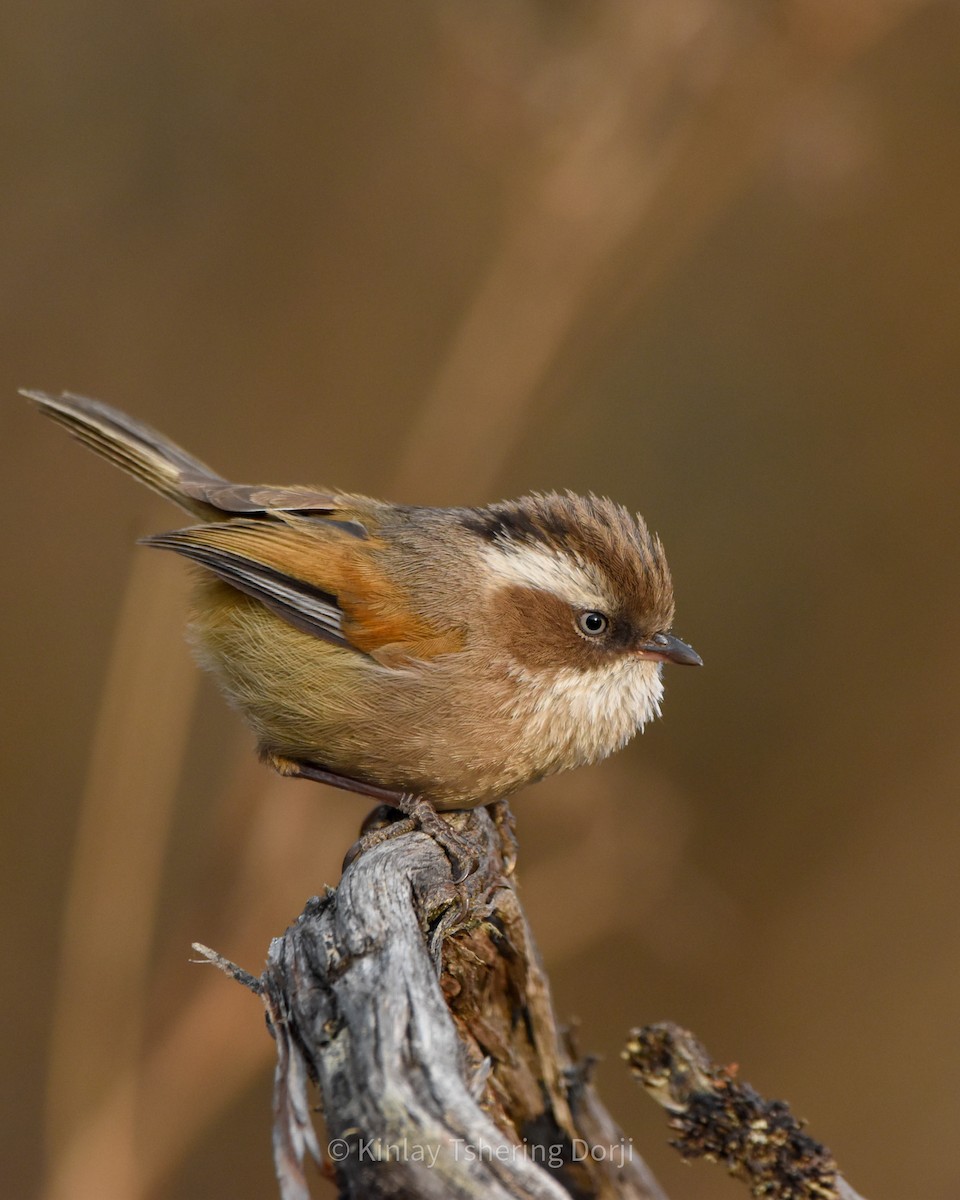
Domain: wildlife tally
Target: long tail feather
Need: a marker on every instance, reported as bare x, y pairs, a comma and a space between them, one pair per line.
134, 447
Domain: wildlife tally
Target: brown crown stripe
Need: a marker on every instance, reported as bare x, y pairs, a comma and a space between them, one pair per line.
593, 530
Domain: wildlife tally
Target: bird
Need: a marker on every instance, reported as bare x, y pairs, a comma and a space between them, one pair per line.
432, 658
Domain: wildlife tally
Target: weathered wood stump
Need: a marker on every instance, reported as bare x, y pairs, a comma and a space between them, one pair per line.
420, 1012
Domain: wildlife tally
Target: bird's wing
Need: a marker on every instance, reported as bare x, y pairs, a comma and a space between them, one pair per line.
322, 575
237, 560
310, 555
261, 499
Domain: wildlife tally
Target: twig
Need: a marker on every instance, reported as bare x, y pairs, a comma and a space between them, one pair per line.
251, 982
718, 1118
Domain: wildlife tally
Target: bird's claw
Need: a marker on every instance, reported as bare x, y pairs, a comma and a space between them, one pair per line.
463, 858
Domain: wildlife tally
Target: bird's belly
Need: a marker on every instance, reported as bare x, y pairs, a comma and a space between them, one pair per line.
458, 731
412, 730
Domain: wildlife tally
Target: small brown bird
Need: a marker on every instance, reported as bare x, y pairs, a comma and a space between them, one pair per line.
438, 655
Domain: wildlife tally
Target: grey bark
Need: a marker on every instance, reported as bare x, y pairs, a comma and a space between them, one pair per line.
420, 1013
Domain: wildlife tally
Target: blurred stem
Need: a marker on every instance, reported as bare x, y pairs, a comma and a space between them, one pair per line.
110, 901
655, 151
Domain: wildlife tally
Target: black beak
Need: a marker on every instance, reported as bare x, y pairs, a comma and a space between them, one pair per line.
664, 647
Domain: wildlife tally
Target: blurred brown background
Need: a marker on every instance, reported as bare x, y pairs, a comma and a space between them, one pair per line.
701, 256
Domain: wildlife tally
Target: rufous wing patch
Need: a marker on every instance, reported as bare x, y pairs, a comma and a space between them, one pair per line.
318, 576
382, 624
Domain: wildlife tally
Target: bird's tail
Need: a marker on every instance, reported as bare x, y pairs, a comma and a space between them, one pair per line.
132, 446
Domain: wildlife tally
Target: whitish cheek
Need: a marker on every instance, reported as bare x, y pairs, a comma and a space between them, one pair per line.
592, 712
631, 697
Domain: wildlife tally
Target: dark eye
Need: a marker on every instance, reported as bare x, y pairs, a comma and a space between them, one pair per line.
592, 623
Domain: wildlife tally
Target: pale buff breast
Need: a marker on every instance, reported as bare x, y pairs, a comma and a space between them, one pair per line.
576, 717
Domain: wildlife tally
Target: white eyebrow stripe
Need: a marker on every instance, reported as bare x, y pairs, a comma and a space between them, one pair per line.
548, 570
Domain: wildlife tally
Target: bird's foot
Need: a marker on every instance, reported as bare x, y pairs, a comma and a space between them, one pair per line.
463, 857
418, 813
506, 824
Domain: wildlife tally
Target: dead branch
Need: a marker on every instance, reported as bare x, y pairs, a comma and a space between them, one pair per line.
420, 1011
716, 1117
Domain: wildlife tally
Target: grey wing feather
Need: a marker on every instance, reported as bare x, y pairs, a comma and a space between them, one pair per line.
257, 498
308, 608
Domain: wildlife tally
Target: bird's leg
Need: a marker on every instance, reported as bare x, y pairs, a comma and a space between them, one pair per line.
418, 813
295, 768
